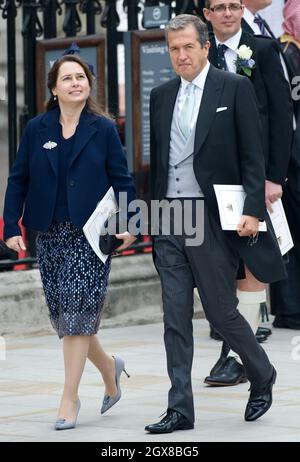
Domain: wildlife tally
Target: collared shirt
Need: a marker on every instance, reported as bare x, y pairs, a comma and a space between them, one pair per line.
199, 83
231, 53
249, 18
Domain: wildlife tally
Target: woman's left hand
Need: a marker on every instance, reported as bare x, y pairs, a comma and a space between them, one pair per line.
128, 239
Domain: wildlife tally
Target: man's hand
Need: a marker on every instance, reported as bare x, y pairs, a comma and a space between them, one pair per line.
247, 226
128, 239
273, 191
16, 243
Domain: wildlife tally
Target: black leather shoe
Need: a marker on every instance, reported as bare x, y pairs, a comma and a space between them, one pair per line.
223, 356
261, 337
229, 374
218, 366
171, 422
260, 400
264, 331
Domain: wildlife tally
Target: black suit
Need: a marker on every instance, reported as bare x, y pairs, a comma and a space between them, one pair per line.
285, 295
227, 150
274, 103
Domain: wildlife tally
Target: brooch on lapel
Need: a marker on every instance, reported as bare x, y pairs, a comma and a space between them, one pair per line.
50, 145
244, 63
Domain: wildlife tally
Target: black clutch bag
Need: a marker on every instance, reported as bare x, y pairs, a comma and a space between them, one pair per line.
108, 242
6, 253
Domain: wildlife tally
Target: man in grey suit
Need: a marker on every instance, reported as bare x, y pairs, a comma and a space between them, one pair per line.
218, 111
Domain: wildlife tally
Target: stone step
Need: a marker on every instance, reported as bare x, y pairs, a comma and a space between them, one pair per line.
134, 297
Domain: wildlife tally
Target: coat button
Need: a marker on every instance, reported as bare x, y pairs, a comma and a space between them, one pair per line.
72, 183
177, 179
176, 167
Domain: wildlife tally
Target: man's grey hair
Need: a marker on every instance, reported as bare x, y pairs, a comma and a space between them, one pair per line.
182, 21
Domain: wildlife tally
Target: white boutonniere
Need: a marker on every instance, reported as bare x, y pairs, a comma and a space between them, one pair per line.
50, 145
244, 63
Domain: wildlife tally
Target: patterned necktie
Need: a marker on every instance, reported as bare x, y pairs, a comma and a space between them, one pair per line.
186, 114
221, 62
261, 24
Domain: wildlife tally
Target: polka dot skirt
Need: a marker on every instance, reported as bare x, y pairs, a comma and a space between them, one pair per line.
74, 280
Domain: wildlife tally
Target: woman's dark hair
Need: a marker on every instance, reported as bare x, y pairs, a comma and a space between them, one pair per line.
91, 104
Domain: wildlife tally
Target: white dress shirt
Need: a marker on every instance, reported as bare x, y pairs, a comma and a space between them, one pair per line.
199, 83
249, 18
231, 53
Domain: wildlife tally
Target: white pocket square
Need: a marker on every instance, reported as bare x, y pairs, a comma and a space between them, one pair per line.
50, 145
219, 109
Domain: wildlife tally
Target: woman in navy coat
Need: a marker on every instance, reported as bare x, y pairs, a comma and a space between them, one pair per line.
68, 158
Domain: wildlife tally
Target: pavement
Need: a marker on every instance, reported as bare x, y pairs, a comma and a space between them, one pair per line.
31, 382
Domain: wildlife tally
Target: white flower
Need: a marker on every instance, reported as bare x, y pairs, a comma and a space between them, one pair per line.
244, 52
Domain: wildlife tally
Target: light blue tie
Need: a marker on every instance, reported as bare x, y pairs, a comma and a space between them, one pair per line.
186, 114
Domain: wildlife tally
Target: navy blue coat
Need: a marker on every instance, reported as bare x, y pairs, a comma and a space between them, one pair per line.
97, 162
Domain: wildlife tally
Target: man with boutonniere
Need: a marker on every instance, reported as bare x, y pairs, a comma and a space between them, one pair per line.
257, 58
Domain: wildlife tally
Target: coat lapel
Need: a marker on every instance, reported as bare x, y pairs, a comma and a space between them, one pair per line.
84, 132
249, 41
213, 54
245, 26
166, 118
209, 103
50, 131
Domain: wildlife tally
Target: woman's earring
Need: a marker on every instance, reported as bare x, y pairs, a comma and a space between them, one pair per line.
54, 97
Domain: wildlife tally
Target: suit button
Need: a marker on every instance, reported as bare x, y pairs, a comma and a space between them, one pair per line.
176, 167
72, 183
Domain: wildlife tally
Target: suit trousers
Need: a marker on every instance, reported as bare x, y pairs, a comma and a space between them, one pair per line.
212, 268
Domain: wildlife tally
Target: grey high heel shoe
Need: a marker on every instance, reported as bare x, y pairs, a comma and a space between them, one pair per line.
109, 401
63, 424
